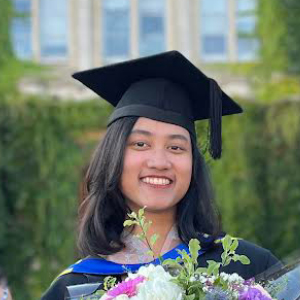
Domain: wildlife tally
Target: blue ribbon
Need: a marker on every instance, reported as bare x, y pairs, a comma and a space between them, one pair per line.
100, 266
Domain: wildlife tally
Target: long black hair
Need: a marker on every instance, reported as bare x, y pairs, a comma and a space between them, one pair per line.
104, 208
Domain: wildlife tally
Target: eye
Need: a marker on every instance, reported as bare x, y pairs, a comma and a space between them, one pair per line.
140, 144
176, 148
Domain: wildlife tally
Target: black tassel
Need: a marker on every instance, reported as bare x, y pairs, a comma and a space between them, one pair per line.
215, 120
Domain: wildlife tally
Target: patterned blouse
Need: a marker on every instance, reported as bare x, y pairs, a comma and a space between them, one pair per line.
136, 250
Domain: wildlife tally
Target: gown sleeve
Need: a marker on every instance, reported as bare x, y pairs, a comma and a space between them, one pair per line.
58, 289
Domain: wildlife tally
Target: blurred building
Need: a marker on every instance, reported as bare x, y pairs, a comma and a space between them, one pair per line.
85, 33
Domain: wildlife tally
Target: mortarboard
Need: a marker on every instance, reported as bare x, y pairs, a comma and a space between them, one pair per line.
165, 87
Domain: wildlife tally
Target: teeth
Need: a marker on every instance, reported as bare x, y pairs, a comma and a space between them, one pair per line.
156, 181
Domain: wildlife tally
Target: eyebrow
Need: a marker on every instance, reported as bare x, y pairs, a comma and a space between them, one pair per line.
140, 131
170, 136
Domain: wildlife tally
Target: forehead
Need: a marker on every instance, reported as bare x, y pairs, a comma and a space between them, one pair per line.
159, 128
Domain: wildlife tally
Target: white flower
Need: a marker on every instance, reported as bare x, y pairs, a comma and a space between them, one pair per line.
158, 285
122, 297
224, 276
158, 290
152, 272
192, 279
235, 278
235, 294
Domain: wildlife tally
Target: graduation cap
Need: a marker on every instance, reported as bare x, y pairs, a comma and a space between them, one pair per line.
165, 87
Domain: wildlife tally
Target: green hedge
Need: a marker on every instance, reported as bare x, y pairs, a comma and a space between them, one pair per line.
45, 144
257, 180
42, 155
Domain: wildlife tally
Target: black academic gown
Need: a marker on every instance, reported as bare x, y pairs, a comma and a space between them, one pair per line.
261, 260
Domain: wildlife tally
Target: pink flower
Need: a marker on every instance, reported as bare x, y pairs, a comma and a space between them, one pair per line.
128, 288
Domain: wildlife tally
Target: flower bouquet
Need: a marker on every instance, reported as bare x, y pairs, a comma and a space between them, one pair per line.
182, 279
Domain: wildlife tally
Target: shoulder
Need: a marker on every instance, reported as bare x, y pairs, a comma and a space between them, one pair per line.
258, 256
261, 259
58, 289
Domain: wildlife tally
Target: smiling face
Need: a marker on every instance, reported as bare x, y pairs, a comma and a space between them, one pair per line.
157, 165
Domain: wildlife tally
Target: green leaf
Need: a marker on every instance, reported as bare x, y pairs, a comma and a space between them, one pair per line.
100, 293
234, 245
226, 241
216, 269
194, 247
153, 239
185, 256
201, 270
142, 221
179, 259
213, 267
189, 297
171, 262
129, 223
132, 215
109, 282
244, 259
223, 257
141, 212
229, 259
181, 252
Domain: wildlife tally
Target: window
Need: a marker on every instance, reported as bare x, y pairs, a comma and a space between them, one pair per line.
213, 30
54, 29
152, 26
246, 21
116, 30
21, 29
246, 5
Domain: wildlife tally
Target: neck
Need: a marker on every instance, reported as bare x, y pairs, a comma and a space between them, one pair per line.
162, 222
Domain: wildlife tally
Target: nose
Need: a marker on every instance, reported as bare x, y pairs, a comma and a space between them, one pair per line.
159, 160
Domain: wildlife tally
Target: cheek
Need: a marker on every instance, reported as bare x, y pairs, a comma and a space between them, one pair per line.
131, 168
186, 164
185, 171
132, 161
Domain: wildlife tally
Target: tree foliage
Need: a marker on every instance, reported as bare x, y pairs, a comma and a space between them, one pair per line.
291, 10
5, 25
271, 29
42, 156
276, 75
257, 180
278, 31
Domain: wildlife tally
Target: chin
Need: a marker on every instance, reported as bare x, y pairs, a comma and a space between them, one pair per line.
158, 208
153, 206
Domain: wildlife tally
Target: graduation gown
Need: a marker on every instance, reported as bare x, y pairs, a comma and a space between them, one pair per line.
96, 269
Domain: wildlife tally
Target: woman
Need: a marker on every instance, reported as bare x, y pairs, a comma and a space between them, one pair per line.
149, 157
